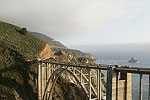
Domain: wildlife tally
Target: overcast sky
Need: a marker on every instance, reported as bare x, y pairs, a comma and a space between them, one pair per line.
82, 22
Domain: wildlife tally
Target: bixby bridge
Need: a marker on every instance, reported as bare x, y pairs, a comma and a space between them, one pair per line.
118, 87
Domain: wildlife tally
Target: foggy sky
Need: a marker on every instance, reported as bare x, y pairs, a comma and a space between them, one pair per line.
76, 22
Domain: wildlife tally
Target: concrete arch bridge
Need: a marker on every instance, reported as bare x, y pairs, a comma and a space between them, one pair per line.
118, 85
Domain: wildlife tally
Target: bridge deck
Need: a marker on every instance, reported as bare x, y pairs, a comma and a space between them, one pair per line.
136, 70
112, 70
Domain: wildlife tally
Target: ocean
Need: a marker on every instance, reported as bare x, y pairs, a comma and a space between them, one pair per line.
121, 58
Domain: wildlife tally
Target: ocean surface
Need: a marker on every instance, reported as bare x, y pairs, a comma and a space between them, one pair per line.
121, 58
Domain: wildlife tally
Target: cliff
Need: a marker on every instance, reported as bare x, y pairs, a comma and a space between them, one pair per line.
18, 51
57, 46
52, 42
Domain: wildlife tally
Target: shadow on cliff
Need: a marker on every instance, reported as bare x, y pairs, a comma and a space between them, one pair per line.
19, 80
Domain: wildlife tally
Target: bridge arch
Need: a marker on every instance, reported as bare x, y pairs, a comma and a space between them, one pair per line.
57, 74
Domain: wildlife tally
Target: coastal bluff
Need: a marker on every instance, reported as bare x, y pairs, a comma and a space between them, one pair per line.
19, 51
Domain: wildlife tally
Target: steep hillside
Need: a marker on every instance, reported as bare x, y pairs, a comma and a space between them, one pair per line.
49, 40
18, 51
57, 46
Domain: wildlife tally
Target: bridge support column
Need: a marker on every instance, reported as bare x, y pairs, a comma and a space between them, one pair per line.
81, 75
112, 84
50, 73
39, 82
109, 84
99, 84
141, 87
125, 88
89, 83
48, 76
43, 77
52, 68
117, 84
46, 72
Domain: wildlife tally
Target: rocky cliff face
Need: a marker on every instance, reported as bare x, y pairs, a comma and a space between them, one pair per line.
46, 53
62, 57
73, 52
57, 46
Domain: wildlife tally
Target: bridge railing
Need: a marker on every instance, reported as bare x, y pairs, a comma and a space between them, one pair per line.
117, 78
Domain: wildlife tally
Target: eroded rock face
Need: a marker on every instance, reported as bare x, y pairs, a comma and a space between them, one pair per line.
63, 57
46, 53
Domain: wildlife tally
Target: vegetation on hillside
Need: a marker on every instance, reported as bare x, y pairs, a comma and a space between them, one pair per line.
27, 45
18, 50
18, 72
49, 40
